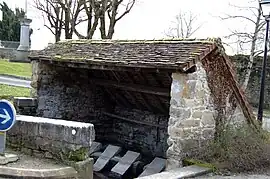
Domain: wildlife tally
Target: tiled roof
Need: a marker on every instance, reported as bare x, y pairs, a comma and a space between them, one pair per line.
168, 54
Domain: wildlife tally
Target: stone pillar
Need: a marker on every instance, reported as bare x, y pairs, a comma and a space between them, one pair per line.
191, 116
23, 50
25, 34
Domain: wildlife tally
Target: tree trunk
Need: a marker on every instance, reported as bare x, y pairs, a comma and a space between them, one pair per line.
57, 35
252, 51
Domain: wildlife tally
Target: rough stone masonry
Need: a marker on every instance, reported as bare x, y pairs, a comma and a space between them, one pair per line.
191, 115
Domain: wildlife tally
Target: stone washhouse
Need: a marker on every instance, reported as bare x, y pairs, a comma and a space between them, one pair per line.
158, 97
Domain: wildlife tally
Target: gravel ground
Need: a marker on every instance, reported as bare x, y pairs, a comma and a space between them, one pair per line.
259, 174
236, 176
26, 161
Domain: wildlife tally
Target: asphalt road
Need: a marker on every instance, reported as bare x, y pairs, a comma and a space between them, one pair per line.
14, 82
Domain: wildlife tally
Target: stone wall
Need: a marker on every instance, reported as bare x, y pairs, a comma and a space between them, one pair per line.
66, 93
25, 106
191, 120
7, 53
151, 139
59, 139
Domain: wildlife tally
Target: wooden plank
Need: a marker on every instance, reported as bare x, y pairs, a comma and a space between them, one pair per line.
133, 121
160, 107
156, 166
133, 87
158, 68
125, 162
105, 157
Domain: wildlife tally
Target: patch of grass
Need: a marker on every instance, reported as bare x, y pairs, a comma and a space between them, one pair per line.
7, 92
200, 163
17, 69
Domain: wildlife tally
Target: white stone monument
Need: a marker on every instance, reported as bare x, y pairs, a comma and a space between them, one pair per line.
25, 35
24, 48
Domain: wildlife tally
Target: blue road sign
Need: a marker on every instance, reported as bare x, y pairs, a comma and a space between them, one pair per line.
7, 115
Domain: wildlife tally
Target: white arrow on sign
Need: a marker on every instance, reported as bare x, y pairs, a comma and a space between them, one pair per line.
5, 116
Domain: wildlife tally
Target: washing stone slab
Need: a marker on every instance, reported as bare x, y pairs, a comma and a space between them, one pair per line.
156, 166
125, 162
105, 157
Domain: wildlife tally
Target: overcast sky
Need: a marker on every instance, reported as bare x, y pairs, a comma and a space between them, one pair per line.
150, 18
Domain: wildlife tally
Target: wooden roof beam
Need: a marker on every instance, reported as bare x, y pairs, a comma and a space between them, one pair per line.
133, 87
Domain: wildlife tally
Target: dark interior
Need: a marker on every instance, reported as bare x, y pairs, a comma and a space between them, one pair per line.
127, 108
137, 109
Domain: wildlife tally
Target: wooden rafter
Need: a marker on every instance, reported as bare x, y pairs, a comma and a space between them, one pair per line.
149, 107
115, 95
116, 77
133, 87
145, 68
160, 106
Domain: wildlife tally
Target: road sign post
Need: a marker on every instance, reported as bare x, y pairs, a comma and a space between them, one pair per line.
7, 120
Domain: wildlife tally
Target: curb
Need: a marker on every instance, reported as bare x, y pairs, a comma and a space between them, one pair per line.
60, 173
184, 172
17, 77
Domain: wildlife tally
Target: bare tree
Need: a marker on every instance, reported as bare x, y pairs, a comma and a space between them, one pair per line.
102, 13
184, 26
251, 39
53, 16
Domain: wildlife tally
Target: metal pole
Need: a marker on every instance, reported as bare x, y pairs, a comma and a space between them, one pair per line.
261, 102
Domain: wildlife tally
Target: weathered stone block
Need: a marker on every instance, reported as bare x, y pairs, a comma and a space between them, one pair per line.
180, 113
178, 103
189, 123
191, 103
197, 114
190, 144
173, 163
48, 155
38, 154
26, 151
29, 142
190, 89
14, 140
175, 131
173, 121
208, 133
208, 118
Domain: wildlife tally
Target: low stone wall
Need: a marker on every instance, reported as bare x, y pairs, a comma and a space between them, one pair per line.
7, 53
25, 106
150, 140
49, 138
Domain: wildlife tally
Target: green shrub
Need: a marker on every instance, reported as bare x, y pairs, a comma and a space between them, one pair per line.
238, 149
